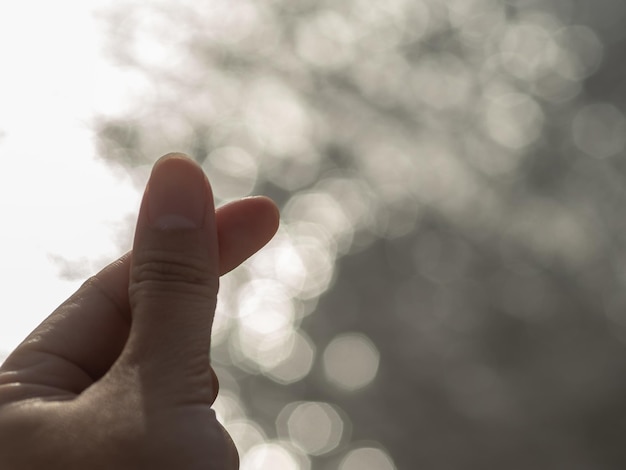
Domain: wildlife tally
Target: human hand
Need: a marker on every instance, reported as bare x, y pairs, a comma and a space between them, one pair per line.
119, 376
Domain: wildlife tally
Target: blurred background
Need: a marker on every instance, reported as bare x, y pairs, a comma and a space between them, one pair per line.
447, 288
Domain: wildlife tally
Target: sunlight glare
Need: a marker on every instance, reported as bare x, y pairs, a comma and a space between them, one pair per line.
63, 203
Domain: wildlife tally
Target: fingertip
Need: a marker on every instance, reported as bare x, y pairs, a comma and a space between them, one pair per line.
174, 155
267, 212
272, 207
178, 195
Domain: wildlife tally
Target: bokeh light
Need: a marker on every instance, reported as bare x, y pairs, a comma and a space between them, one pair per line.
236, 172
514, 120
274, 455
449, 264
600, 130
245, 435
367, 458
228, 407
297, 363
351, 361
316, 428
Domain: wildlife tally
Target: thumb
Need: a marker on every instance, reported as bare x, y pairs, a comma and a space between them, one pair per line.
174, 280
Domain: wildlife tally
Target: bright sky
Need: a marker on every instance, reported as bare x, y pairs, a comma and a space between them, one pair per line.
56, 200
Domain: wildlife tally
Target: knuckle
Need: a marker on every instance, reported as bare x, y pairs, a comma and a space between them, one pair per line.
200, 387
160, 274
162, 266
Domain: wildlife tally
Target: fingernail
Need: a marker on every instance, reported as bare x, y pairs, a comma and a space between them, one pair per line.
176, 194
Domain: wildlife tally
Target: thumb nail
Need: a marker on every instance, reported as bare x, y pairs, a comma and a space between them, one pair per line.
176, 194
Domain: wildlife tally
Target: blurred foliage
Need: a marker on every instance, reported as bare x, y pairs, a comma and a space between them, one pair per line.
447, 288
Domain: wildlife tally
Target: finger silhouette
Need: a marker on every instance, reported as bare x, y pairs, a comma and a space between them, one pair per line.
174, 279
79, 342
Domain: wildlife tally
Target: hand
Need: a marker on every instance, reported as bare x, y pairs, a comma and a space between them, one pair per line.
119, 376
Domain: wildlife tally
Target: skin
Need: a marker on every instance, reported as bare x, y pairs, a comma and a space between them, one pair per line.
119, 375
